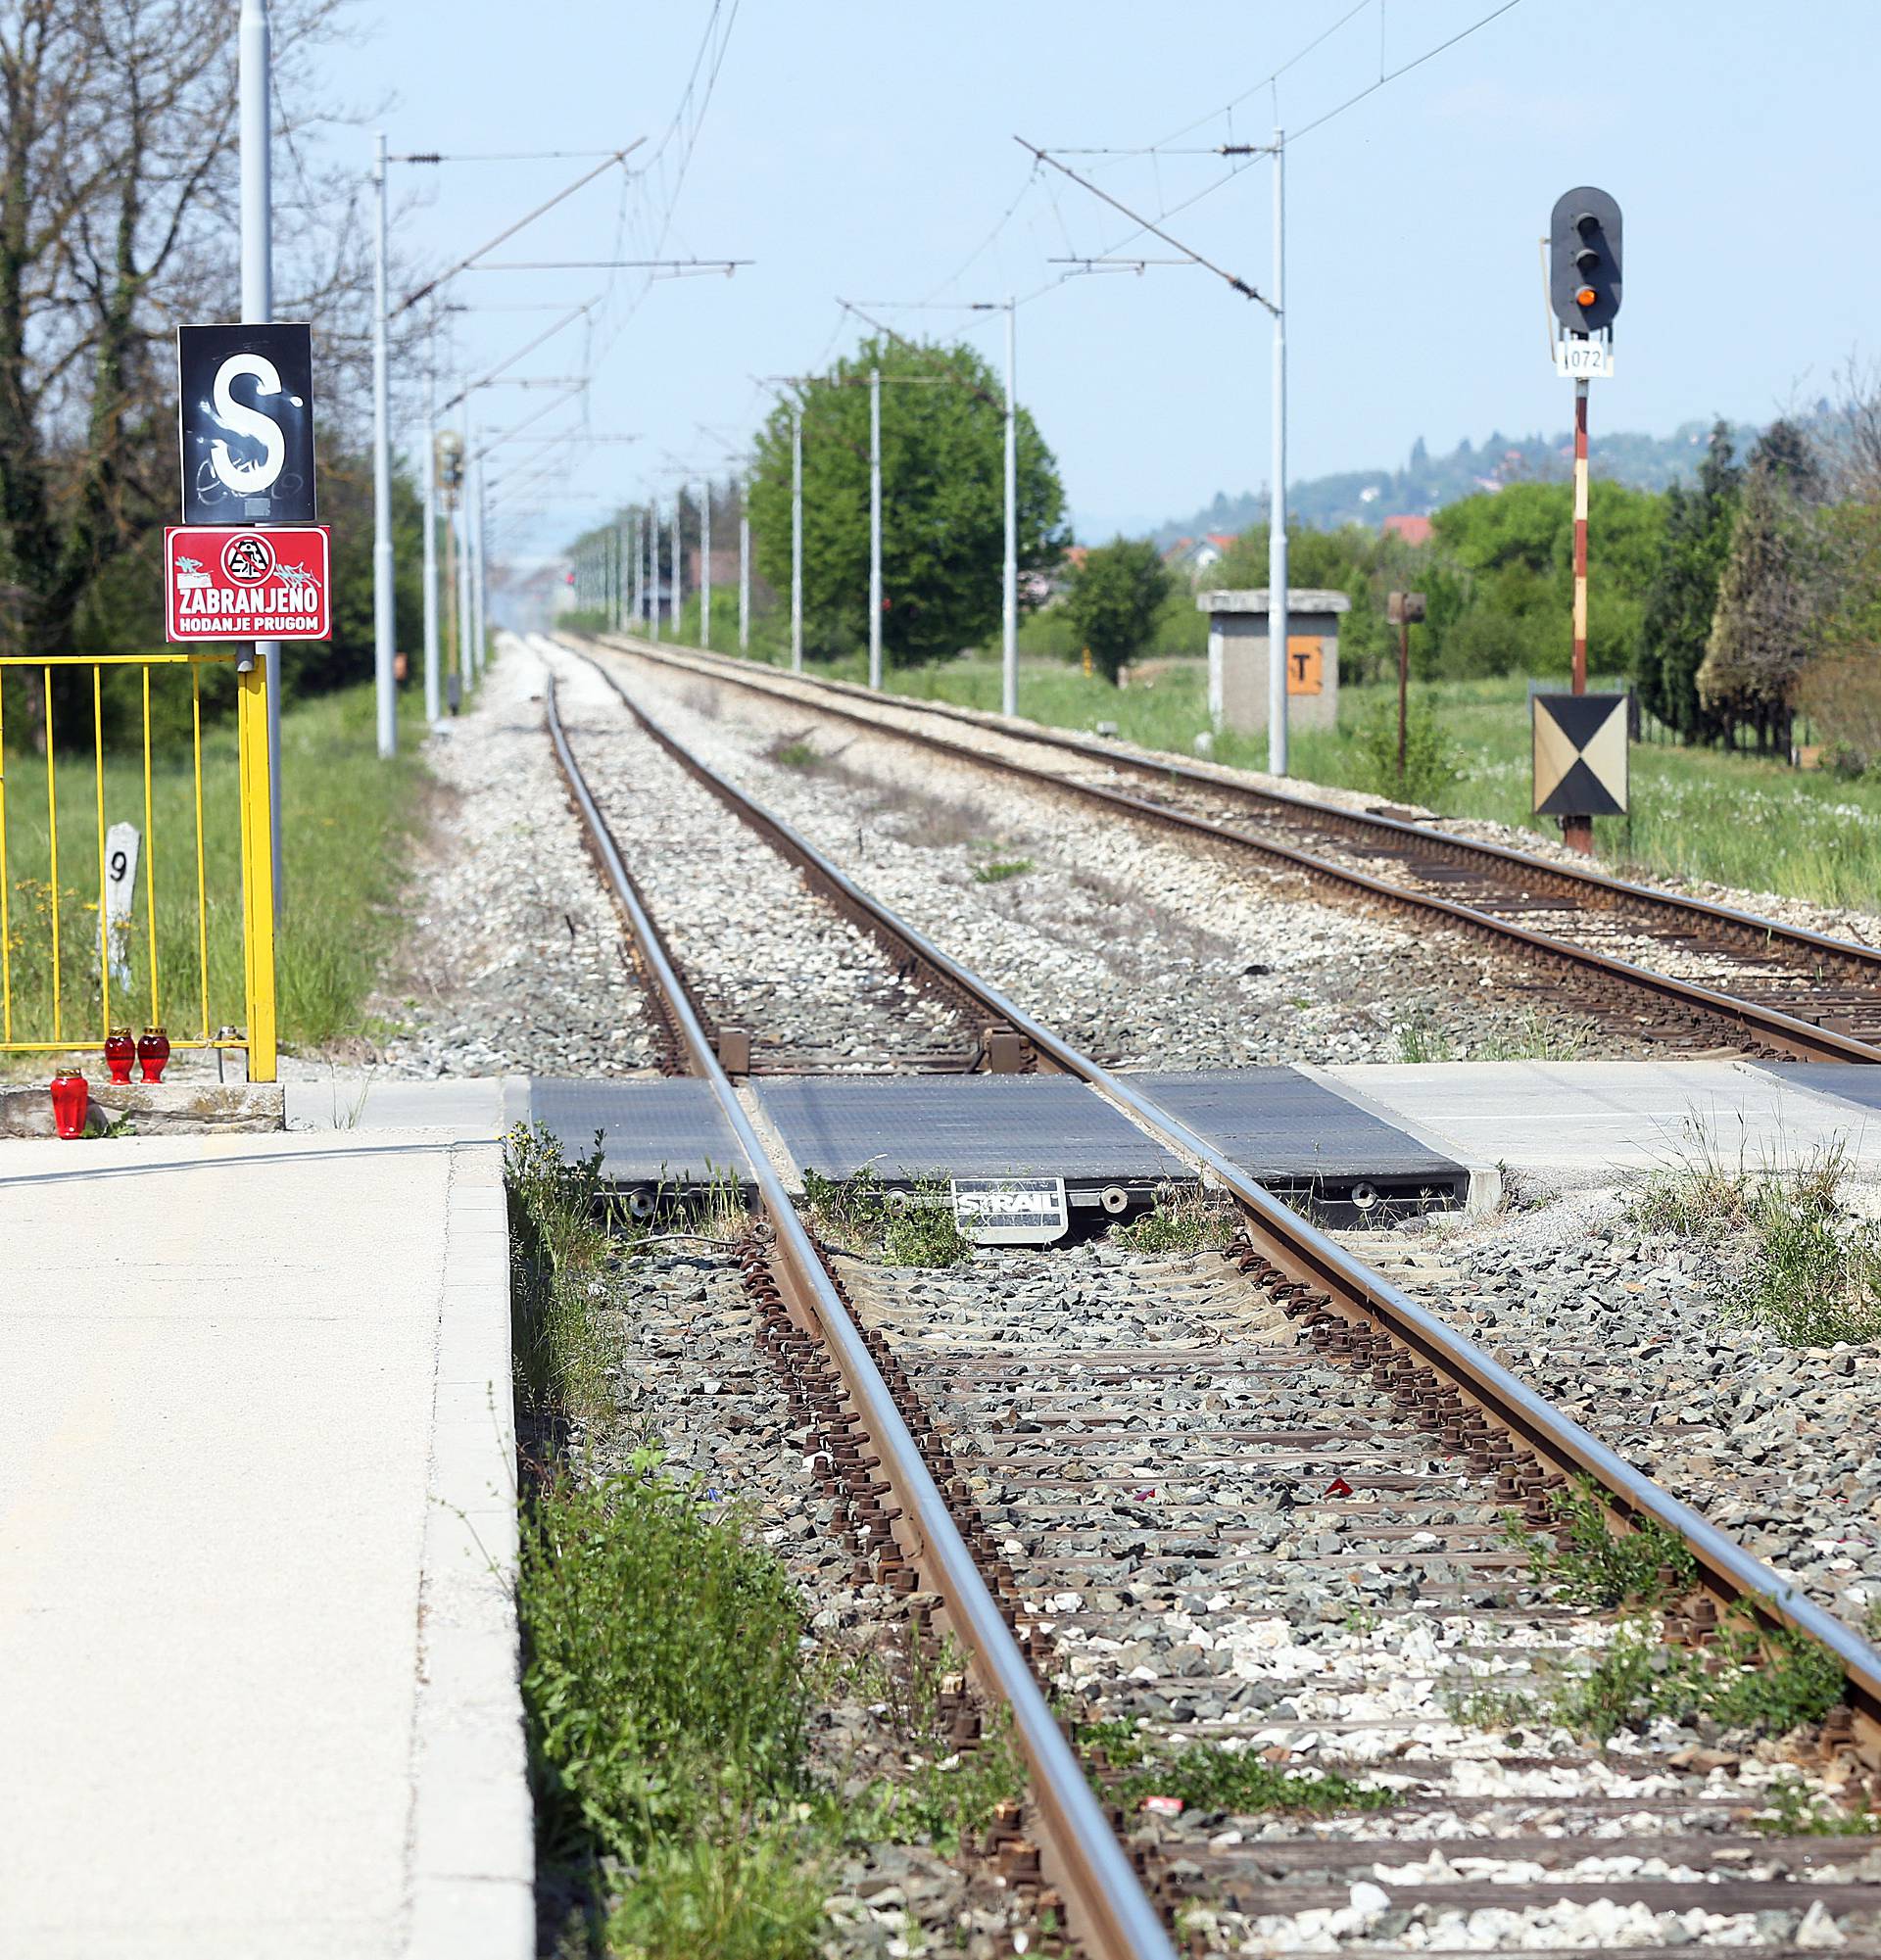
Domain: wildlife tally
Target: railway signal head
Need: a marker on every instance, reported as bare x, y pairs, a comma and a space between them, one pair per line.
1583, 260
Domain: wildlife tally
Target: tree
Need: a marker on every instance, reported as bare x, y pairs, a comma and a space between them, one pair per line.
942, 501
1765, 628
1514, 552
118, 146
1114, 600
1676, 627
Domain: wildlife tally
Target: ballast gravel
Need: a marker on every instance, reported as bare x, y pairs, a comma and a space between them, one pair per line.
517, 960
1140, 948
1624, 1329
761, 949
691, 1390
1193, 1578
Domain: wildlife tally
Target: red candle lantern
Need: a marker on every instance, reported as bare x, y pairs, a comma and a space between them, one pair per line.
71, 1104
153, 1051
120, 1051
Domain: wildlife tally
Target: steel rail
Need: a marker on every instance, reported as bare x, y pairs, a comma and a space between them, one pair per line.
1112, 1911
1728, 1568
856, 906
1770, 1026
1420, 838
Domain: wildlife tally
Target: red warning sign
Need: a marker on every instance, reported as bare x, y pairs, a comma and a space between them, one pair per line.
222, 583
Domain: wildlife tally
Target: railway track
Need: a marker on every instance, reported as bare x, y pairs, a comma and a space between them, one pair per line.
1245, 1517
1682, 974
906, 1010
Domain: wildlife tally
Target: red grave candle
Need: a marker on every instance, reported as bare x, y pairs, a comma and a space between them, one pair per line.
120, 1051
71, 1103
153, 1051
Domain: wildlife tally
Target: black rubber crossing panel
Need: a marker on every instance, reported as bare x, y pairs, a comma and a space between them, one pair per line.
657, 1130
908, 1127
1856, 1082
1308, 1143
1280, 1123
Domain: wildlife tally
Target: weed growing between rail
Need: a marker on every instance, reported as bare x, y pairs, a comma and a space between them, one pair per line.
686, 1808
1791, 1253
861, 1214
1746, 1678
1590, 1564
1185, 1218
941, 1795
1213, 1777
997, 870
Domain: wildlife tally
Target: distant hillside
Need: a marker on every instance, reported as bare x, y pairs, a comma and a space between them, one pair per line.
1426, 483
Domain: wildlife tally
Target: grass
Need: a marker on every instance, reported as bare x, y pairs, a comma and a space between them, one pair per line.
1590, 1564
668, 1676
1735, 819
861, 1214
1212, 1777
667, 1709
559, 1249
1532, 1036
1183, 1220
1792, 1256
348, 822
998, 870
1747, 1678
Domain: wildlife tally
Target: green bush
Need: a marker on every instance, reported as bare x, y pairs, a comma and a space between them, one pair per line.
661, 1669
1433, 762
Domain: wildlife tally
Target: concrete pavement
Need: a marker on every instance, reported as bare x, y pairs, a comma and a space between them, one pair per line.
257, 1551
1578, 1124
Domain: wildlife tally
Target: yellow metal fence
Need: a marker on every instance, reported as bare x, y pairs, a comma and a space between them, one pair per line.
202, 897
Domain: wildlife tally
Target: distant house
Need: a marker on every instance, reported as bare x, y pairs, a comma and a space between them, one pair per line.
1413, 530
1195, 555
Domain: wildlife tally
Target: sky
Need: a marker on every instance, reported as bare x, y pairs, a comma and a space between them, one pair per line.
855, 150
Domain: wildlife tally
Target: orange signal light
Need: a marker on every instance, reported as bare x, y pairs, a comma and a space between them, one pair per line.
1585, 297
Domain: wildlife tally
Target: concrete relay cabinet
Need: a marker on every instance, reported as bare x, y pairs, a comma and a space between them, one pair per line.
1237, 641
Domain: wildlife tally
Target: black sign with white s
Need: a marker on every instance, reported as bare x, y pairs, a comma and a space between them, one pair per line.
245, 397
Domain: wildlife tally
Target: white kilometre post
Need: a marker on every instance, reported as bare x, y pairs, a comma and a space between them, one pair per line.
433, 695
796, 542
258, 305
875, 527
706, 567
1009, 666
1277, 510
382, 621
744, 569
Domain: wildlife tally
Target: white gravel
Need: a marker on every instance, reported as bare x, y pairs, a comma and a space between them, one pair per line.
1140, 948
517, 961
1625, 1331
761, 949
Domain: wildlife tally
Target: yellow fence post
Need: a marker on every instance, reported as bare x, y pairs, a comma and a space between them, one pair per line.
258, 871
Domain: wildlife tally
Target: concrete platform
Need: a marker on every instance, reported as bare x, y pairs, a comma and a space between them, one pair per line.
1579, 1125
257, 1551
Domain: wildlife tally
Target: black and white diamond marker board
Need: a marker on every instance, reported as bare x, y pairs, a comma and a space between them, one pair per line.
1580, 754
